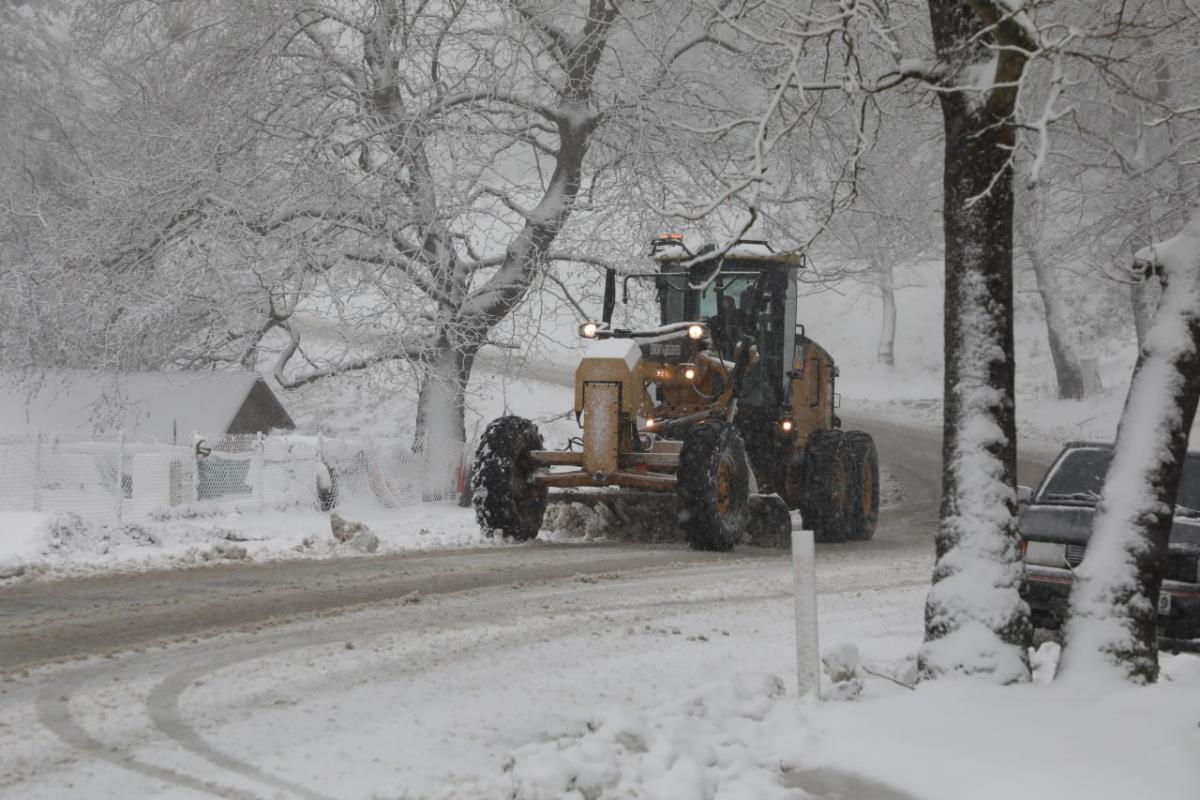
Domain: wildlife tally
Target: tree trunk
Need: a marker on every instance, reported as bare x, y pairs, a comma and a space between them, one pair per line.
1067, 370
975, 621
887, 293
441, 405
1113, 622
441, 400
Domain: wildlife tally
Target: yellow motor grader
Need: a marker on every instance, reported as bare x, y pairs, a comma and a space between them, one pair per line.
727, 392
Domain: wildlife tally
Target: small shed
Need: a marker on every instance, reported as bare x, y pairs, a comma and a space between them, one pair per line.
164, 405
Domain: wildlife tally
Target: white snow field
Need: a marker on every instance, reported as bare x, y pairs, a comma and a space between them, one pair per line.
661, 683
673, 683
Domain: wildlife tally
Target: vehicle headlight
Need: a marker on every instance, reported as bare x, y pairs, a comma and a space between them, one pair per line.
588, 330
689, 373
695, 331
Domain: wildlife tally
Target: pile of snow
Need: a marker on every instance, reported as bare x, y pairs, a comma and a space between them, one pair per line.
951, 738
733, 740
44, 545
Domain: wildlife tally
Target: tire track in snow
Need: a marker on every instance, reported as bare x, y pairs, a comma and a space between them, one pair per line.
603, 605
53, 710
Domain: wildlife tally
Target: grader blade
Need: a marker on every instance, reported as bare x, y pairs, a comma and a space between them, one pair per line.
653, 517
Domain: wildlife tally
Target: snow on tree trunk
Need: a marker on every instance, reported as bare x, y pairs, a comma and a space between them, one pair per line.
1143, 296
1113, 621
975, 621
887, 334
441, 402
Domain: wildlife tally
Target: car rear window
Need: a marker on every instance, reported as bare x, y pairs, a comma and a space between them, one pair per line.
1079, 477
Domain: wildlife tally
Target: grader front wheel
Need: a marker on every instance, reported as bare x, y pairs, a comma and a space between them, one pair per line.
713, 487
507, 501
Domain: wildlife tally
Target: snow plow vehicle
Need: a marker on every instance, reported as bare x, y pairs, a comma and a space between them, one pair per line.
719, 420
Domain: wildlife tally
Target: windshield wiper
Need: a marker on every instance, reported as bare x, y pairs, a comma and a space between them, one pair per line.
1088, 496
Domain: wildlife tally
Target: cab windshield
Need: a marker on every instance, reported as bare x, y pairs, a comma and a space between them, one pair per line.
724, 295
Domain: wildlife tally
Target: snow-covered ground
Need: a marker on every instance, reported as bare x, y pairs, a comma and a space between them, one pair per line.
673, 684
54, 546
667, 684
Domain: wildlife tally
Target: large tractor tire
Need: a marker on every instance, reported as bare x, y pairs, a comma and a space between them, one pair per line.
507, 501
825, 487
713, 492
862, 510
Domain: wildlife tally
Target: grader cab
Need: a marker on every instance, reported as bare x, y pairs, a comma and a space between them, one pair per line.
725, 395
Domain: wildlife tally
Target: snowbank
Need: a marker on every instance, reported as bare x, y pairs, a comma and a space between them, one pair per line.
22, 535
951, 738
41, 545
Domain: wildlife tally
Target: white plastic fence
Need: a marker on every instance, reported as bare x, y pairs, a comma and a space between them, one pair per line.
114, 477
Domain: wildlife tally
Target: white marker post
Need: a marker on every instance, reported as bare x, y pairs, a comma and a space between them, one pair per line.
808, 652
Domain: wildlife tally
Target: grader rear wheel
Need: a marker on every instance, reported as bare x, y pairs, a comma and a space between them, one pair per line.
824, 493
862, 511
840, 494
713, 487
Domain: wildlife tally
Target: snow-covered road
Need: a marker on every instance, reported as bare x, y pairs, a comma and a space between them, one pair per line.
101, 613
412, 693
406, 696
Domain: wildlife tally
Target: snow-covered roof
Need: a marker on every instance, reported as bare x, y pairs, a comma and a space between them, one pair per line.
157, 404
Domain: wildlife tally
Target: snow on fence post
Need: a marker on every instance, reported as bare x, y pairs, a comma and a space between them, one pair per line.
194, 462
257, 464
808, 650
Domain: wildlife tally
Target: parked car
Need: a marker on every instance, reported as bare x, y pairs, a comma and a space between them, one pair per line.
1056, 521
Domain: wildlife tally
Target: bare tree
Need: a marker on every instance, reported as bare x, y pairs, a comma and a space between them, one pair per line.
1068, 372
397, 177
893, 226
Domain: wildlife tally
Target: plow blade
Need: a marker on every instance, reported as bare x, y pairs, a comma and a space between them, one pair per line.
653, 517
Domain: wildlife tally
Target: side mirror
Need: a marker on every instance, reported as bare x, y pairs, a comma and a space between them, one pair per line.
1024, 496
